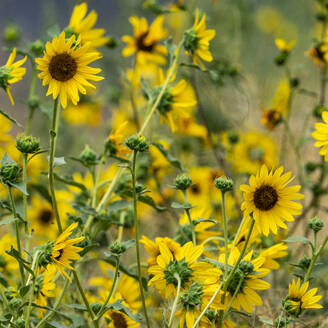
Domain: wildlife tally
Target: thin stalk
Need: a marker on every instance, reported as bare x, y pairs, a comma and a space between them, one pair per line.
175, 303
49, 315
102, 311
212, 238
31, 94
53, 137
136, 229
121, 227
192, 227
225, 231
29, 307
5, 301
18, 241
24, 195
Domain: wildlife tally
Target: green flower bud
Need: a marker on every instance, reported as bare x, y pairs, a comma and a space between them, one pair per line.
211, 315
37, 47
11, 33
294, 82
292, 307
88, 156
96, 307
310, 167
110, 148
190, 40
223, 183
111, 43
182, 182
321, 16
304, 263
27, 144
15, 303
10, 173
20, 323
117, 248
315, 224
137, 143
45, 254
233, 137
246, 267
317, 111
34, 102
281, 59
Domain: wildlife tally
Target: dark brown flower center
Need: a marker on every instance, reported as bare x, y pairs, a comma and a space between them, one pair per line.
119, 320
46, 217
195, 189
61, 251
62, 67
141, 43
265, 198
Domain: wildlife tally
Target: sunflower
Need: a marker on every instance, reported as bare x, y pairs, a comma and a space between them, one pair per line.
252, 151
145, 41
64, 251
300, 298
271, 254
196, 40
11, 73
65, 68
319, 54
184, 264
82, 25
115, 142
270, 200
321, 135
271, 118
248, 275
8, 264
177, 101
284, 45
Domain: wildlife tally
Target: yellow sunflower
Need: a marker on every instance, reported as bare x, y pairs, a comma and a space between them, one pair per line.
271, 254
321, 135
115, 142
300, 298
8, 264
82, 25
64, 251
11, 73
65, 68
284, 45
145, 41
196, 40
270, 200
182, 263
177, 101
252, 151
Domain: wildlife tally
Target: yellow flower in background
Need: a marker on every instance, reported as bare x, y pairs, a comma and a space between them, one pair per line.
271, 254
284, 45
196, 40
114, 144
318, 54
177, 101
160, 166
321, 136
11, 73
8, 264
65, 68
64, 251
42, 217
300, 298
145, 41
86, 112
252, 151
189, 127
271, 118
82, 25
270, 200
5, 137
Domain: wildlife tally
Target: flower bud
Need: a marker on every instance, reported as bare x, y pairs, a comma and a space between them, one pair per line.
294, 82
110, 148
111, 42
27, 144
233, 137
190, 40
45, 254
281, 58
10, 173
15, 303
37, 47
317, 111
137, 143
223, 183
20, 323
310, 167
315, 224
304, 263
117, 248
96, 306
182, 182
88, 156
33, 102
246, 267
11, 33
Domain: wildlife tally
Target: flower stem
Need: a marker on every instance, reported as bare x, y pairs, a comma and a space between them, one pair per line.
31, 94
175, 300
225, 231
24, 195
192, 227
136, 229
18, 241
53, 137
102, 311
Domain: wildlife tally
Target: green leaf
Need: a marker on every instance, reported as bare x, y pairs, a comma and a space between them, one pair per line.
174, 161
69, 181
56, 324
297, 239
77, 307
8, 221
5, 205
10, 118
119, 205
59, 161
21, 186
149, 201
47, 109
199, 220
185, 206
266, 320
3, 280
24, 290
6, 159
14, 253
194, 66
118, 306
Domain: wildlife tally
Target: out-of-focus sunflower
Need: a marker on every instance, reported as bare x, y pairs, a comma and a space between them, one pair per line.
321, 136
145, 41
11, 73
65, 68
82, 25
8, 264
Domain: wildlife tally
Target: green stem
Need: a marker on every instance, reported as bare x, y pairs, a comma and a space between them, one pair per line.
192, 227
314, 259
29, 307
102, 311
136, 229
4, 298
21, 268
49, 315
175, 300
225, 231
24, 195
53, 137
212, 238
31, 94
